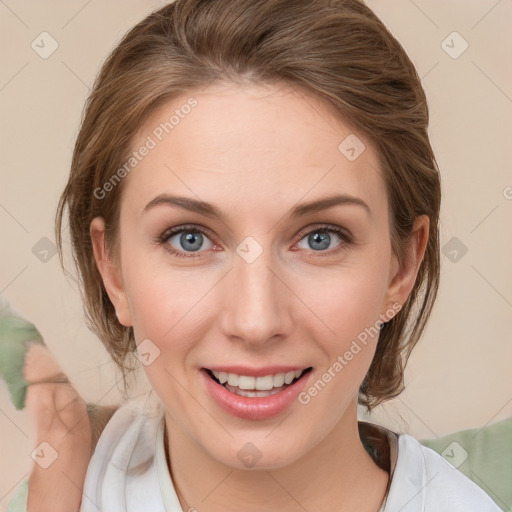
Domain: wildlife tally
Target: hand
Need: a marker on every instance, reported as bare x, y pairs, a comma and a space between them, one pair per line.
62, 421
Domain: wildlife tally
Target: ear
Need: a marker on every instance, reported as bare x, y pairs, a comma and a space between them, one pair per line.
402, 279
110, 272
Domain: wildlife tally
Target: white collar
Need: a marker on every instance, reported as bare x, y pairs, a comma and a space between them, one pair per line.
128, 471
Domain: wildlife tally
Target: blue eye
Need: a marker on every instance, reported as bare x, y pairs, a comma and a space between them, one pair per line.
321, 238
186, 240
191, 241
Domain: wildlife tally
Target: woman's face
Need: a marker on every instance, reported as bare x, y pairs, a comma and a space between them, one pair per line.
254, 241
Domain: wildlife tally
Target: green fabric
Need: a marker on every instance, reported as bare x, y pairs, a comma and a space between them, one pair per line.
16, 334
484, 455
18, 502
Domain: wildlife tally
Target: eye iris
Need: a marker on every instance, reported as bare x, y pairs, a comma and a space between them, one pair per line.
321, 238
196, 239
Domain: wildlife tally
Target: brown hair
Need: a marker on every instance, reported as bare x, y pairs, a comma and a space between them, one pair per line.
337, 50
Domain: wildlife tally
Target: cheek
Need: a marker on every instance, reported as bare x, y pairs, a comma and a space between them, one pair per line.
349, 308
346, 301
167, 304
159, 306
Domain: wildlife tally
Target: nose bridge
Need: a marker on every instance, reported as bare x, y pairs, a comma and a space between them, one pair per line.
255, 309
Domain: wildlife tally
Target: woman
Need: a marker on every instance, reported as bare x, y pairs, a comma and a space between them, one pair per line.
253, 206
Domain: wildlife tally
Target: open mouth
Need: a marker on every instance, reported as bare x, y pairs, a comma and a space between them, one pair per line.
255, 387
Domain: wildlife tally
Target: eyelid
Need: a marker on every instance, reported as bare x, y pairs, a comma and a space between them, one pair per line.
174, 230
342, 232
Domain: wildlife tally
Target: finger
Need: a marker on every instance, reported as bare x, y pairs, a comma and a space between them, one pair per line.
63, 449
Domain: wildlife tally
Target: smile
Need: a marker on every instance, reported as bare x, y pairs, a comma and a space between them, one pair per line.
247, 385
255, 396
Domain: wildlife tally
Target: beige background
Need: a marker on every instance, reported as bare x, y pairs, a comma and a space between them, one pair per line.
459, 375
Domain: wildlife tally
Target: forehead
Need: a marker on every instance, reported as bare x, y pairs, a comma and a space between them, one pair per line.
252, 145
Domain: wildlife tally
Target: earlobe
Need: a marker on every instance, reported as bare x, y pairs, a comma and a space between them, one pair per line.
110, 272
403, 278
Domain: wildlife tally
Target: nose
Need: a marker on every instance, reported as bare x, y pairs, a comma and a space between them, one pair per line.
256, 302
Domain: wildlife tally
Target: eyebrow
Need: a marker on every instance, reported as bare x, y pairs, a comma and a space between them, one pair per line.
209, 210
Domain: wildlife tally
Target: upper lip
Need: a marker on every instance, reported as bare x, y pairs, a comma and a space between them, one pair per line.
256, 372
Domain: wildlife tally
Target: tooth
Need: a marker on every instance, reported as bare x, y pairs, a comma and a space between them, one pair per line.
264, 383
278, 380
289, 377
243, 392
246, 382
232, 379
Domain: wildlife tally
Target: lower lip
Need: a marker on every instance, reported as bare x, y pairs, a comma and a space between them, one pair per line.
254, 408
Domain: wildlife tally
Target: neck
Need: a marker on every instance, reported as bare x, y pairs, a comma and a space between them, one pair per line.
337, 474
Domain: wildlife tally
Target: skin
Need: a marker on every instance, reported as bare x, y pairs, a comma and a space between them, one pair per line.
61, 420
255, 152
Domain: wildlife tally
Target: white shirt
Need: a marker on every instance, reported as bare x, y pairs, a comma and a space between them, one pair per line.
128, 471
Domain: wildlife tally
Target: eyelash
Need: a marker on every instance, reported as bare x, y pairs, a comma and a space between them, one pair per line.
344, 236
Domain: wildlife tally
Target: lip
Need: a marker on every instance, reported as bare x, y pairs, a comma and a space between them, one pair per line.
254, 408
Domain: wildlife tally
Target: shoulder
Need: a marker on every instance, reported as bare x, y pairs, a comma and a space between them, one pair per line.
424, 481
122, 473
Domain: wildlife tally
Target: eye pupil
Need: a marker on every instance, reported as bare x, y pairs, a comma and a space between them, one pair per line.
321, 238
196, 239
